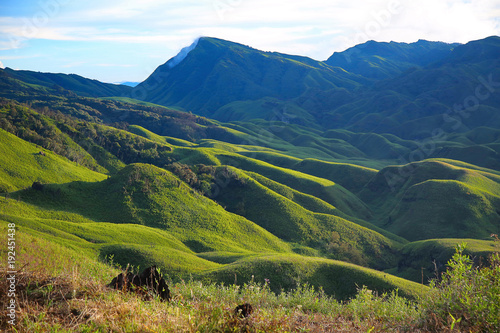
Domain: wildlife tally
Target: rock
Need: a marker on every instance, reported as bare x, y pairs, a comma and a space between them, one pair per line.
243, 310
150, 280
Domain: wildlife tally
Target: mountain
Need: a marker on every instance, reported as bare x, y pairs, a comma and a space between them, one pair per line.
216, 73
453, 94
409, 86
128, 83
75, 83
380, 60
391, 101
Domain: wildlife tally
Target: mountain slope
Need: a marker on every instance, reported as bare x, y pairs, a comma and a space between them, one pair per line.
435, 199
380, 60
455, 94
78, 84
151, 196
217, 72
422, 91
24, 163
321, 164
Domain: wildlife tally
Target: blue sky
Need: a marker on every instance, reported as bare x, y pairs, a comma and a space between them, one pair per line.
122, 40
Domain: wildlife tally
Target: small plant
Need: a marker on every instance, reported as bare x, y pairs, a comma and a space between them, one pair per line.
467, 296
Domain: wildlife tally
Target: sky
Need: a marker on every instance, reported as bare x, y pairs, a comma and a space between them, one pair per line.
122, 40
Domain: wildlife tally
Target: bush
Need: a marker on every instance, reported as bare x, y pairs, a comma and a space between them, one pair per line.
467, 297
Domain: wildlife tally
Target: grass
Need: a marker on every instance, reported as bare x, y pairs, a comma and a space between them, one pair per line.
157, 138
144, 194
322, 188
23, 164
414, 201
422, 261
287, 272
63, 290
329, 232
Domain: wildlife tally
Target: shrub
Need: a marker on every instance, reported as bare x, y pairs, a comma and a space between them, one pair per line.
467, 296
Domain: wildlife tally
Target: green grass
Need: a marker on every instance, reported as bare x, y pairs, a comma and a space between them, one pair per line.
144, 194
22, 164
287, 272
276, 208
133, 101
322, 188
419, 204
51, 271
420, 260
157, 138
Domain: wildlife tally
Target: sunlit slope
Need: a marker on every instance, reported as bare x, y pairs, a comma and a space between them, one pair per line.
278, 209
23, 163
427, 258
147, 195
324, 189
436, 199
335, 277
123, 244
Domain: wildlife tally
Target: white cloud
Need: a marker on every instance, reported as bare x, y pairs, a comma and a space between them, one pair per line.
2, 65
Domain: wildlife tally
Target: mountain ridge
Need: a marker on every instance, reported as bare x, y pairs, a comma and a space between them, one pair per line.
218, 77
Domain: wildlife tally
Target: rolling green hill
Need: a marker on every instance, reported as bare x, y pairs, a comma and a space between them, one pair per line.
434, 198
24, 163
335, 277
424, 260
288, 169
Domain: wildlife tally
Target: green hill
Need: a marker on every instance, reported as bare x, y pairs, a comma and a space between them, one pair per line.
424, 260
278, 209
302, 177
217, 72
335, 277
380, 60
435, 199
147, 195
24, 163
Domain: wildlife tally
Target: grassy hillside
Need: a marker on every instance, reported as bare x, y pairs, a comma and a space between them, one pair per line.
71, 82
334, 277
147, 195
383, 60
424, 260
322, 188
227, 72
24, 163
415, 201
272, 206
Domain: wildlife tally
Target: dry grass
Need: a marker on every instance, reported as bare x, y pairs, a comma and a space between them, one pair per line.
48, 304
66, 304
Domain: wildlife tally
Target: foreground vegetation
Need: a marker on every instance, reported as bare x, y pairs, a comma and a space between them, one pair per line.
62, 290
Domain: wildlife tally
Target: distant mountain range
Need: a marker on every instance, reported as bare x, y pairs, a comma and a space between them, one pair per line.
128, 83
403, 84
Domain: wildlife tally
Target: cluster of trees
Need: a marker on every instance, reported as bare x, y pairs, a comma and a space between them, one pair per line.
40, 130
80, 141
206, 179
